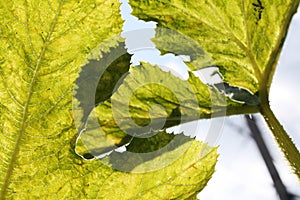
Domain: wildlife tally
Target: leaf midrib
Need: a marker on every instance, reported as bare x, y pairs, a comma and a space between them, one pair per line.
244, 47
23, 126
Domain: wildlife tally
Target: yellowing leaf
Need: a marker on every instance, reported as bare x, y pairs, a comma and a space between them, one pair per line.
97, 80
43, 45
171, 182
242, 37
150, 100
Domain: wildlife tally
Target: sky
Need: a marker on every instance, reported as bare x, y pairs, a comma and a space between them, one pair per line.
240, 171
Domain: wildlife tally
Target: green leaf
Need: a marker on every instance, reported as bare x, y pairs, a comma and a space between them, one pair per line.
99, 78
179, 182
150, 100
43, 45
172, 41
243, 38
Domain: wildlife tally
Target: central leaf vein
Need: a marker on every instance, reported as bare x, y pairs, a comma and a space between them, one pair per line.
23, 125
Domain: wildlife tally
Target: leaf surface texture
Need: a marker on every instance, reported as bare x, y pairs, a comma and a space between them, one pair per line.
43, 45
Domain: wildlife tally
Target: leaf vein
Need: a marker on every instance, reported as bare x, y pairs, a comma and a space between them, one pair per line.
25, 110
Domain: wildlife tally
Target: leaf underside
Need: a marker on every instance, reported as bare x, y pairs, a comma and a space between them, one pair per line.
240, 36
43, 45
243, 38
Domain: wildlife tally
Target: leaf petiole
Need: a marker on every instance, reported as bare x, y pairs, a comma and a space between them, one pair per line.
285, 143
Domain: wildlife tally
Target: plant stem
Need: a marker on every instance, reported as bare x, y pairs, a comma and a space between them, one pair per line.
285, 143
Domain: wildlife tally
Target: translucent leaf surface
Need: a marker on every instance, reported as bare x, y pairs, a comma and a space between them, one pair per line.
243, 38
151, 100
42, 46
98, 79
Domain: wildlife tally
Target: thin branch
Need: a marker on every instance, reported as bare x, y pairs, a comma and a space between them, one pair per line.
257, 136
